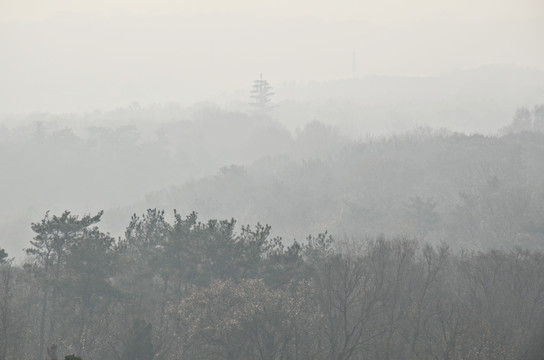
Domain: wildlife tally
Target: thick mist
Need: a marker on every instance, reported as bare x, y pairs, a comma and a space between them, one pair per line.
271, 180
65, 57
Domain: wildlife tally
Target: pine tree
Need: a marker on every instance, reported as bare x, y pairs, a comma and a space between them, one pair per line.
262, 90
3, 256
54, 236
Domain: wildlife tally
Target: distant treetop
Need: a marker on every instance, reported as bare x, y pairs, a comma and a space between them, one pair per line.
3, 256
261, 92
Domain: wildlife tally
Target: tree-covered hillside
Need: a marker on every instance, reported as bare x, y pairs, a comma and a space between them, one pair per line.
466, 190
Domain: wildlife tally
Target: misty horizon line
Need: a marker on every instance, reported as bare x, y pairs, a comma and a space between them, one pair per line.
234, 97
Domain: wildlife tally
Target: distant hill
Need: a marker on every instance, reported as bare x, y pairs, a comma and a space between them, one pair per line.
480, 100
470, 191
87, 162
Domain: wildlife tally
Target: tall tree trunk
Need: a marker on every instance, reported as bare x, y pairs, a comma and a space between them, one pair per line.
6, 279
42, 324
44, 310
54, 300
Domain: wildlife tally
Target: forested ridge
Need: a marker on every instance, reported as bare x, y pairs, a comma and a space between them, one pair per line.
472, 191
469, 190
186, 289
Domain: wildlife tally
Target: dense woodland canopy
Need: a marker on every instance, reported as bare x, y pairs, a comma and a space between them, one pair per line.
428, 245
271, 180
469, 191
429, 184
202, 290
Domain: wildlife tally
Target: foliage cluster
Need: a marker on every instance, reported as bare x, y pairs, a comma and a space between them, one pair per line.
186, 289
470, 192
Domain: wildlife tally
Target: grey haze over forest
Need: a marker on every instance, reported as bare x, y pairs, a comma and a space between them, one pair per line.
108, 104
125, 159
323, 175
270, 180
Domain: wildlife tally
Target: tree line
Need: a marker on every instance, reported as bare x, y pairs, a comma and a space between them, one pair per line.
186, 289
316, 179
470, 191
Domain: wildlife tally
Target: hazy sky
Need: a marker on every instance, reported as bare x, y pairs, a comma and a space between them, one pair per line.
65, 55
383, 11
